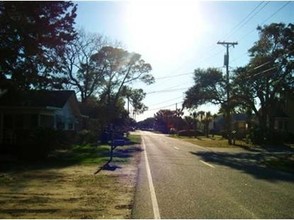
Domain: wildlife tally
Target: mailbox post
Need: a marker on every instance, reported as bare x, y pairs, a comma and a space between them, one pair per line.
115, 143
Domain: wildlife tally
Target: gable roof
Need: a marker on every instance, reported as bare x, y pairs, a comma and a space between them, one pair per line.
45, 98
37, 98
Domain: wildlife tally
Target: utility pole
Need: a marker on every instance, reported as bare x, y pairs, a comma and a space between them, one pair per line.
228, 106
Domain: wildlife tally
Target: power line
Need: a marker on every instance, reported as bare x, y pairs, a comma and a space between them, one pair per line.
163, 107
283, 6
173, 99
263, 22
166, 90
175, 75
212, 47
247, 19
244, 21
263, 64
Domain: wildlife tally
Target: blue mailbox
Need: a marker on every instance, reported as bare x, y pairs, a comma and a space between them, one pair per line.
118, 142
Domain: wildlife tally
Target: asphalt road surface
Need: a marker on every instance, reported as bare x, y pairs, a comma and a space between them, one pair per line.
181, 180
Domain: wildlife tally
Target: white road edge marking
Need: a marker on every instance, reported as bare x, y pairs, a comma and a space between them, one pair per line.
207, 164
151, 186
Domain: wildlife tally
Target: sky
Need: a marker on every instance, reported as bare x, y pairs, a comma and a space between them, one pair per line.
176, 37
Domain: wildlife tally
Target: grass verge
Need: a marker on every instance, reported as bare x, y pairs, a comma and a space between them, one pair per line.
284, 162
216, 141
281, 162
64, 185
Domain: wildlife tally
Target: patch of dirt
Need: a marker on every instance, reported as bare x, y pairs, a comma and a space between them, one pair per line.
70, 192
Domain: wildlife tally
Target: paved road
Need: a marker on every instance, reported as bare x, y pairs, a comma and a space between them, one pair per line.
180, 180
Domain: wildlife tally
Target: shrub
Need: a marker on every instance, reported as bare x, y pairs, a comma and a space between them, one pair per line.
257, 136
87, 137
35, 144
189, 133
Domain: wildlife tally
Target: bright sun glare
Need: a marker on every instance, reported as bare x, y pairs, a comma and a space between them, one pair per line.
164, 28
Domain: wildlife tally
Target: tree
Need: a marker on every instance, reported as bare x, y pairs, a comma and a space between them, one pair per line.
163, 120
166, 119
135, 98
146, 124
209, 87
94, 68
269, 75
33, 38
120, 69
83, 74
208, 118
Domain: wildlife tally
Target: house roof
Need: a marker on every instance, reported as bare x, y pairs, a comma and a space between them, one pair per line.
37, 98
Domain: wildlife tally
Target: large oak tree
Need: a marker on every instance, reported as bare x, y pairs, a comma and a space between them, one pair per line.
33, 38
264, 83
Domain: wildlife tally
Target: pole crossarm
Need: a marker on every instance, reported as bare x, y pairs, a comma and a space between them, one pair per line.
227, 43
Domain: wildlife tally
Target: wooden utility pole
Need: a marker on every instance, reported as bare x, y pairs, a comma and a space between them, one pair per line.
228, 106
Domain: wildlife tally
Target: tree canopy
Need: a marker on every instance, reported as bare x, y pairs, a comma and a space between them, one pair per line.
82, 73
120, 69
33, 38
260, 86
264, 83
209, 86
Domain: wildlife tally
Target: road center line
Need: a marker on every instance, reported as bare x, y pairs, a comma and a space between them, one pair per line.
151, 186
207, 164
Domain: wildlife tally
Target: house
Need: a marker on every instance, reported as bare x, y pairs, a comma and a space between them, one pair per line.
58, 110
239, 124
284, 115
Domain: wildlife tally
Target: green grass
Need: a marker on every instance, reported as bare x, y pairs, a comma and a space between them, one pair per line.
216, 141
281, 162
79, 155
83, 154
89, 154
135, 139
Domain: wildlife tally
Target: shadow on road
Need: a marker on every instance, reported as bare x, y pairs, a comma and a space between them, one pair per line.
252, 164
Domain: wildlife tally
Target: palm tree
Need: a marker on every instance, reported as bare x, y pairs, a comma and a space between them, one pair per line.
201, 114
207, 119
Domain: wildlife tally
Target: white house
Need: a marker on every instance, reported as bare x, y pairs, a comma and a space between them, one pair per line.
58, 110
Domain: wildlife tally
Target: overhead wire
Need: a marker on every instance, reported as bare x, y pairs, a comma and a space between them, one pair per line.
173, 76
262, 23
237, 27
247, 18
173, 99
174, 104
211, 47
166, 90
264, 71
277, 11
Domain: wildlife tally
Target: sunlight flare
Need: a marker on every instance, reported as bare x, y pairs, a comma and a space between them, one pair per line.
164, 28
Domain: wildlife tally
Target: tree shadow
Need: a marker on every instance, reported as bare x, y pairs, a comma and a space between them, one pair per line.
107, 166
249, 163
264, 148
66, 158
119, 153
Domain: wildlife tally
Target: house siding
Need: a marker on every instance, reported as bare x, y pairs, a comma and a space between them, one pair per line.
289, 110
65, 118
62, 115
